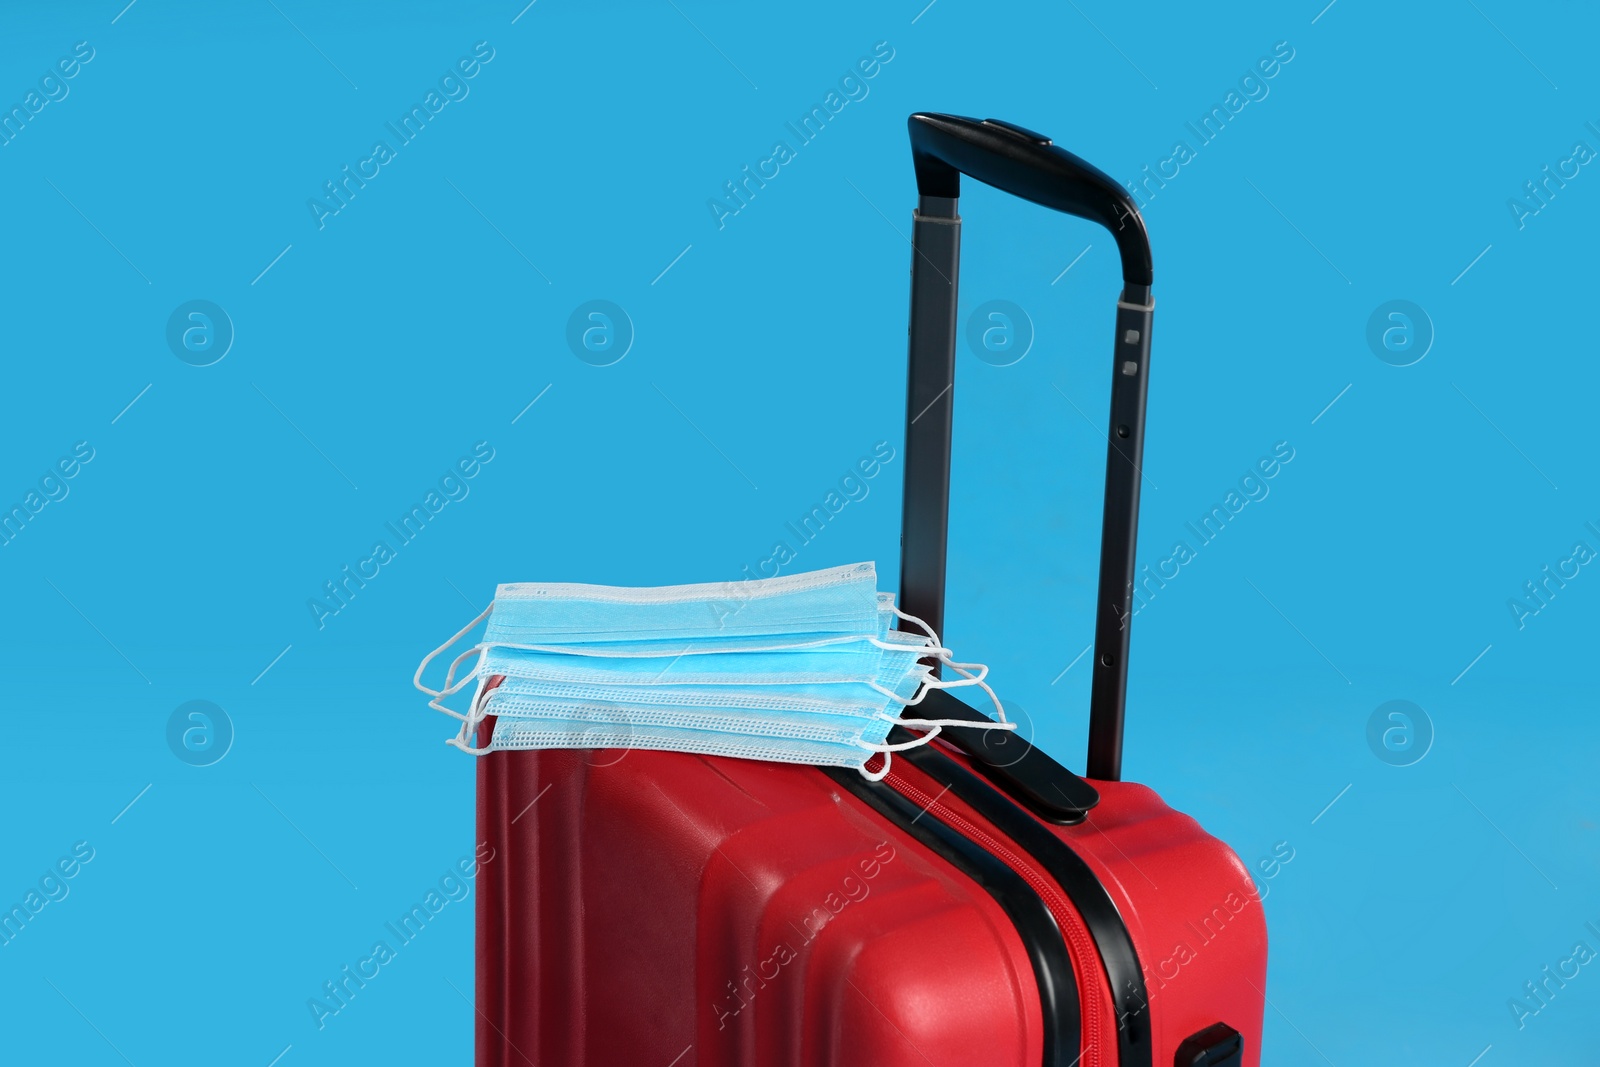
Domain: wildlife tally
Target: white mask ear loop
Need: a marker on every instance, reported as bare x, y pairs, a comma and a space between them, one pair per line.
977, 680
457, 742
883, 772
471, 708
923, 724
452, 684
933, 726
896, 698
928, 684
416, 679
929, 648
454, 714
964, 669
470, 722
924, 627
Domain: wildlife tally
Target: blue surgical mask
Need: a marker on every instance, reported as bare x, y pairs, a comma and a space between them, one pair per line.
693, 645
560, 658
823, 697
521, 715
842, 600
511, 734
859, 662
802, 669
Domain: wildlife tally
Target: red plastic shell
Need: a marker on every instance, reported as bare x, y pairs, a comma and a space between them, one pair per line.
670, 909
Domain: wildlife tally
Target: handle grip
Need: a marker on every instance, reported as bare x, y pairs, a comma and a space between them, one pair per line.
1028, 165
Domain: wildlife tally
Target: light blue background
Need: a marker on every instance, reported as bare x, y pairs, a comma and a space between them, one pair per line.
432, 309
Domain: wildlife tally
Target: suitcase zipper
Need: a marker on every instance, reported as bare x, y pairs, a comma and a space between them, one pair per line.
1083, 954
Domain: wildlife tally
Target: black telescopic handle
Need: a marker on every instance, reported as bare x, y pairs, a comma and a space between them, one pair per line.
1026, 165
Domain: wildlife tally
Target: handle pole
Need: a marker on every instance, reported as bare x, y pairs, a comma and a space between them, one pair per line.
1119, 529
930, 403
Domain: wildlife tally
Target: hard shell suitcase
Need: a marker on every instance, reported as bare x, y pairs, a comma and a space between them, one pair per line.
981, 905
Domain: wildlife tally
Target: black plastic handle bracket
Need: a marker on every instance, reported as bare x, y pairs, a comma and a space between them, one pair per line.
1007, 759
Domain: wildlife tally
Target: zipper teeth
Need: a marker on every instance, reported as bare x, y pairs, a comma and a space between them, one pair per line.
1066, 917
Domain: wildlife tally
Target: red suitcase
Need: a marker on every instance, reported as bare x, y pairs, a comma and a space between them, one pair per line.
982, 905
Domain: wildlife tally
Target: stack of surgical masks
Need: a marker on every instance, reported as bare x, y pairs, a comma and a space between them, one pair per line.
803, 668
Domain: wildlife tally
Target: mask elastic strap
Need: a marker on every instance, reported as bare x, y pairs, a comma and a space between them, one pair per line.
935, 645
469, 723
883, 772
969, 677
977, 680
416, 679
452, 684
922, 724
896, 698
924, 627
457, 742
964, 669
929, 649
454, 714
436, 706
933, 726
929, 685
967, 669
